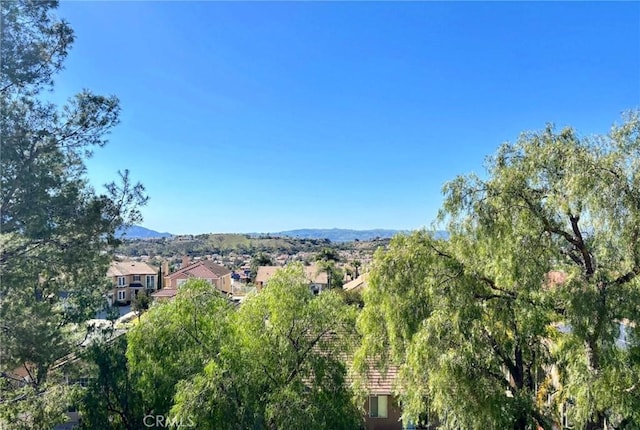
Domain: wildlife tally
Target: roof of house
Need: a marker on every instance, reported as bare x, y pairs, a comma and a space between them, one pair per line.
125, 268
204, 269
165, 292
312, 273
379, 382
357, 284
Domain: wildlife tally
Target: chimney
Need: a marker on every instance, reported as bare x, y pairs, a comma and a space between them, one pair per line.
185, 261
165, 268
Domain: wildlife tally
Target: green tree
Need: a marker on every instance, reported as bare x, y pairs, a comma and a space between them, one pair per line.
141, 303
56, 231
282, 368
550, 239
328, 254
110, 400
174, 341
261, 259
335, 274
326, 260
356, 267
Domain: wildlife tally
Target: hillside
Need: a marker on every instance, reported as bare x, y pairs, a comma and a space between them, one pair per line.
139, 232
339, 235
347, 235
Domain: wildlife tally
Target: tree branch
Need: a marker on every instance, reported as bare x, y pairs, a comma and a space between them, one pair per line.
579, 243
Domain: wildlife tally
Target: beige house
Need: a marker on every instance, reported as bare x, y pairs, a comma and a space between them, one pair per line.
130, 278
217, 275
317, 279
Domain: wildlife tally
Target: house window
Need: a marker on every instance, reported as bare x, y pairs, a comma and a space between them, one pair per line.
181, 281
121, 281
136, 278
378, 406
151, 281
122, 295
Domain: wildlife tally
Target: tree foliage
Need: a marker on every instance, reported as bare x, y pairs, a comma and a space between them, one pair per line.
110, 400
275, 362
56, 231
174, 341
517, 317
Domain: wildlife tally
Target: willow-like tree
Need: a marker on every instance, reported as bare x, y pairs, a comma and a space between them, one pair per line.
175, 340
515, 320
56, 231
282, 368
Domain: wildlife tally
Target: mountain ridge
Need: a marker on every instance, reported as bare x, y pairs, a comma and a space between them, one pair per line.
340, 234
332, 234
139, 232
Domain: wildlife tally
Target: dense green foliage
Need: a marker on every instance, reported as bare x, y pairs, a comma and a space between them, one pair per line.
275, 362
175, 340
56, 231
283, 367
110, 399
516, 318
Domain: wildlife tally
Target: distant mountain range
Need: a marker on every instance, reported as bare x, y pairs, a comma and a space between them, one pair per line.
333, 234
139, 232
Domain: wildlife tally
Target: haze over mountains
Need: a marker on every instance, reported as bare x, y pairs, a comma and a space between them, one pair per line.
333, 234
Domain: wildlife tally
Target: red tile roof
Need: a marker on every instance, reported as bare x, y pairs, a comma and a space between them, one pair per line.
204, 269
165, 292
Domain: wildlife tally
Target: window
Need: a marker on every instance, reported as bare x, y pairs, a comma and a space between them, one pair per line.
122, 295
181, 281
121, 281
151, 281
378, 406
136, 278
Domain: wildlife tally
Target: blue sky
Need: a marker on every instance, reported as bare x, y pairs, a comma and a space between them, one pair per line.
261, 116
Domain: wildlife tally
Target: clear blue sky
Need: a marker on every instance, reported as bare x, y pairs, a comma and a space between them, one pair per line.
260, 117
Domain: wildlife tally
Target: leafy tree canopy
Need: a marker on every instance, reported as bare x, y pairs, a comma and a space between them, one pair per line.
56, 231
275, 362
517, 317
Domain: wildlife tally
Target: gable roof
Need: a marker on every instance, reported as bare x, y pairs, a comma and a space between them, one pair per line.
125, 268
204, 269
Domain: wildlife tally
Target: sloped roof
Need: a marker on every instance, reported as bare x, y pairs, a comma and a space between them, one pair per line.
165, 292
357, 284
204, 269
378, 382
126, 268
311, 272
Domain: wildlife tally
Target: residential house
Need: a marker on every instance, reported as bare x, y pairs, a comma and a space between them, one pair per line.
317, 279
382, 407
357, 284
382, 411
217, 275
130, 278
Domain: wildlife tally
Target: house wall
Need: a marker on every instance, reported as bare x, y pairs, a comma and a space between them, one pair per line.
392, 422
129, 293
224, 283
172, 282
